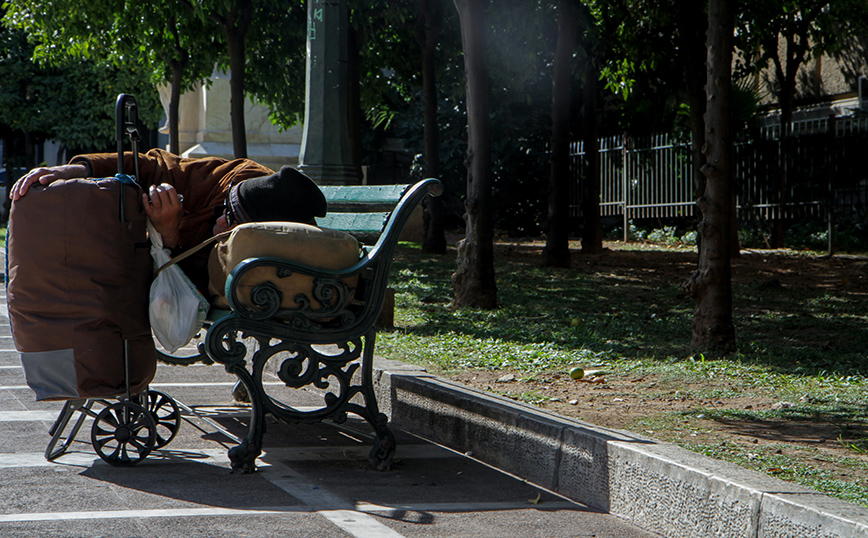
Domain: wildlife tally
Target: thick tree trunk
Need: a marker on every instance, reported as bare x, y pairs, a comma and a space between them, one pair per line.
557, 250
692, 26
428, 35
474, 280
711, 285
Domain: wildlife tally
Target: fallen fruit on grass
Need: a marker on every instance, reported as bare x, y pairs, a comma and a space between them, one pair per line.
577, 372
575, 322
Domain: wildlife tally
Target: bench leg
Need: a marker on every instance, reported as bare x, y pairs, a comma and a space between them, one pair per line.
221, 345
243, 456
342, 376
383, 450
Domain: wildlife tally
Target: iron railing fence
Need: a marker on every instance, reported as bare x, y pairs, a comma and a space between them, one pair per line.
815, 172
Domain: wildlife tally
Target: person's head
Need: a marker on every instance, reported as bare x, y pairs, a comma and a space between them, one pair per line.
287, 195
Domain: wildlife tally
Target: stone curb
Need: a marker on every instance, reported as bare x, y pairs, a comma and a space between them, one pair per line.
657, 486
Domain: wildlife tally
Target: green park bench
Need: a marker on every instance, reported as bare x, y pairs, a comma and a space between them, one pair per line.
330, 346
308, 325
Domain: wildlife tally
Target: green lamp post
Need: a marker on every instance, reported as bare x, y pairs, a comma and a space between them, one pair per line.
325, 149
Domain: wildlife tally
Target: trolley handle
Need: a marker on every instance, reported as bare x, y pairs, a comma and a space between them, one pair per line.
127, 117
126, 113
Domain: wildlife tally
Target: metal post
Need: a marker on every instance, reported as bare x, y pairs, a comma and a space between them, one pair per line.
830, 205
624, 185
127, 368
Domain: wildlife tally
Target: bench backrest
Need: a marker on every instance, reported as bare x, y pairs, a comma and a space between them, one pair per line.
361, 210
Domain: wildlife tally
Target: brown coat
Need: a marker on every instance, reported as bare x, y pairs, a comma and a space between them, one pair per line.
204, 183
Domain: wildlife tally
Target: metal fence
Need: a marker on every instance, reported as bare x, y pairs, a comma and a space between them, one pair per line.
817, 171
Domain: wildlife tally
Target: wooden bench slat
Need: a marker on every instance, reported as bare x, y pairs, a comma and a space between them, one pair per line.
369, 223
349, 197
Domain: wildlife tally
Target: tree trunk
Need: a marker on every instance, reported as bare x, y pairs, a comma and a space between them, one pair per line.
29, 153
786, 73
786, 121
474, 280
5, 139
235, 28
692, 27
557, 250
592, 233
711, 285
174, 108
178, 64
428, 35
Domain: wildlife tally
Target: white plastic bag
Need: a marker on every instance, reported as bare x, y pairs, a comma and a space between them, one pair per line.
176, 309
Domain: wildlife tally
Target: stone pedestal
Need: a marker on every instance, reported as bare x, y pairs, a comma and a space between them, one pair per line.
205, 127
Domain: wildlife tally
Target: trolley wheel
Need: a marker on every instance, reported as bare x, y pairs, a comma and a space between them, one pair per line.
165, 413
123, 434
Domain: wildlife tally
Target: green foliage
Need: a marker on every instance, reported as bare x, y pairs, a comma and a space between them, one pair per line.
672, 236
390, 54
783, 35
85, 101
635, 45
22, 82
823, 27
71, 101
276, 59
155, 38
665, 236
745, 102
521, 41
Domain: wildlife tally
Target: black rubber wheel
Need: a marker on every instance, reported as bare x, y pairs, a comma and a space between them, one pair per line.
123, 434
166, 415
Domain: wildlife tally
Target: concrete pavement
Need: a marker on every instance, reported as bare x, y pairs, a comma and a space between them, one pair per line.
313, 481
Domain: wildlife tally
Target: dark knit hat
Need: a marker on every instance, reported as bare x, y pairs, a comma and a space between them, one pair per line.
287, 195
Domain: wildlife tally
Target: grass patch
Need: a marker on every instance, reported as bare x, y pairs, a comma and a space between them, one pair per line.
783, 466
802, 328
551, 317
547, 318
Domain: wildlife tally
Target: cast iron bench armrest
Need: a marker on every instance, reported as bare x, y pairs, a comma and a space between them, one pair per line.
372, 270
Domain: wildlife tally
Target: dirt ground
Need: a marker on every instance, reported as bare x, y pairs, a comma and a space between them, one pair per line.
639, 403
